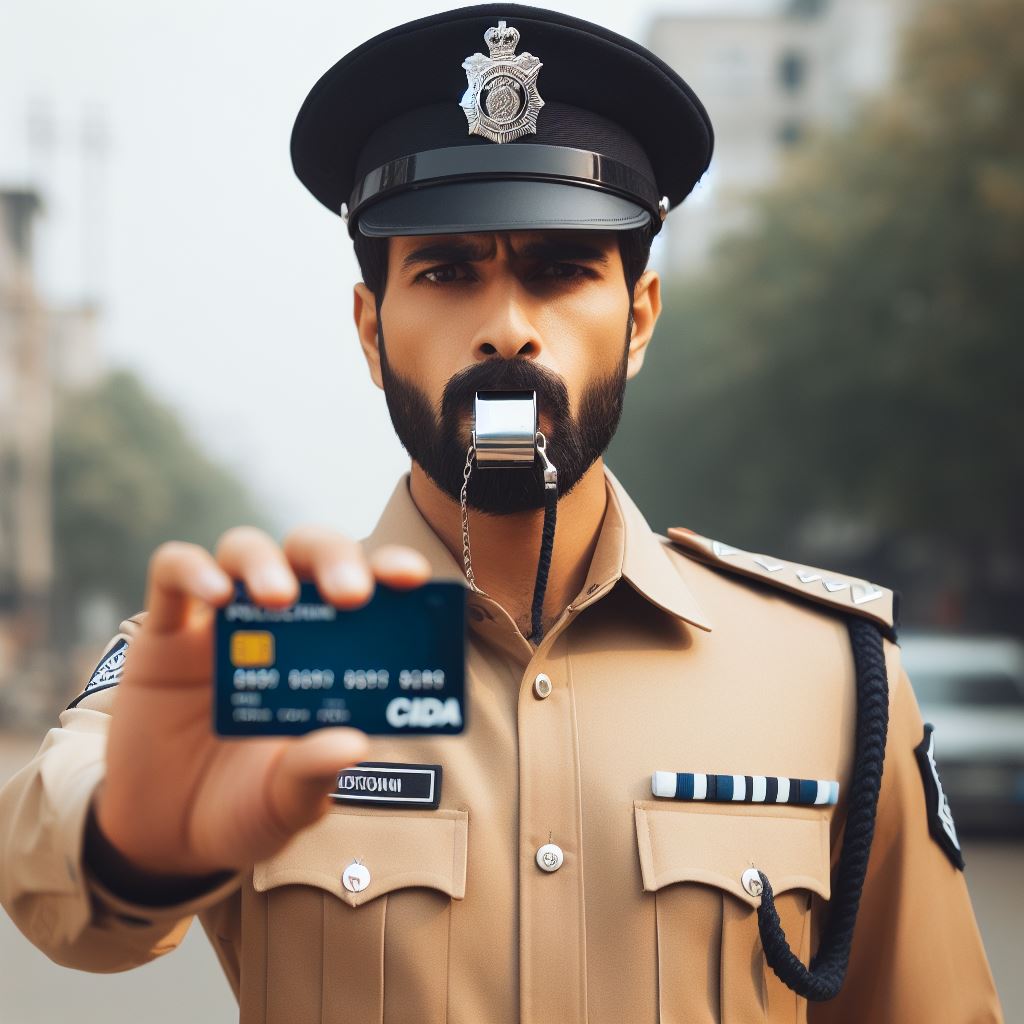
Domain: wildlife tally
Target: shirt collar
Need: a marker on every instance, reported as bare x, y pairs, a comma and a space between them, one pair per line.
627, 548
645, 561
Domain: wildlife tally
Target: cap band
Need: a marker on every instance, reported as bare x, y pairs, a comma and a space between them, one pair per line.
534, 161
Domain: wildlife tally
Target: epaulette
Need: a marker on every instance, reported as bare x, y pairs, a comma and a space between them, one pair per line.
840, 592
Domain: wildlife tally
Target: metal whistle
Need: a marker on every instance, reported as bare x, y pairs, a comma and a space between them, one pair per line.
505, 433
505, 428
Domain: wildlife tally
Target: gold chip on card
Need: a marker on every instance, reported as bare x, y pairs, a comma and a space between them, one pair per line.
252, 649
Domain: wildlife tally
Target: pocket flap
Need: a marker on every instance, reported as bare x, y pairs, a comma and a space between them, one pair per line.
398, 851
715, 845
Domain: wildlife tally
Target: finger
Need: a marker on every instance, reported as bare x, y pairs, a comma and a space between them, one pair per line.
305, 772
335, 562
253, 556
399, 566
178, 572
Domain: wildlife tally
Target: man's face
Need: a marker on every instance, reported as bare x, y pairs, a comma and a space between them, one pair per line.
539, 310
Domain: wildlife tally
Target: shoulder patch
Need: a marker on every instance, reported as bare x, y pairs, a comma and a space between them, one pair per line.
940, 817
844, 593
107, 672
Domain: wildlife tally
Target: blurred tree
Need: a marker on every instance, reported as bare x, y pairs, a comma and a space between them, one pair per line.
127, 477
851, 368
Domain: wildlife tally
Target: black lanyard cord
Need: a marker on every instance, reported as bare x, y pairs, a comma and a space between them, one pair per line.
824, 978
547, 543
547, 539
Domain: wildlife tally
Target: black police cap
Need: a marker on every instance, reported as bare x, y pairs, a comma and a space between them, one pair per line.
399, 138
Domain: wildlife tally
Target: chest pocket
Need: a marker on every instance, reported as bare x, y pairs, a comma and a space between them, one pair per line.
322, 952
711, 967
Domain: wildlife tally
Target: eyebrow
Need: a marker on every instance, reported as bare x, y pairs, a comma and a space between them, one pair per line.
551, 250
555, 249
448, 252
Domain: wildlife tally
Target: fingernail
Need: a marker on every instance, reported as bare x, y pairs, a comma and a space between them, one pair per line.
348, 578
356, 743
213, 584
273, 577
406, 560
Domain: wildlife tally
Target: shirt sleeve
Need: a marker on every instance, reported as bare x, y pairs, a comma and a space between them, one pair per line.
45, 885
917, 954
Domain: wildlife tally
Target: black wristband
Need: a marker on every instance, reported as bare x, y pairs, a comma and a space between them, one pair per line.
126, 882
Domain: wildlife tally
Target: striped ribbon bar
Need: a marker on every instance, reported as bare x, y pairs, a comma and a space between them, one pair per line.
746, 789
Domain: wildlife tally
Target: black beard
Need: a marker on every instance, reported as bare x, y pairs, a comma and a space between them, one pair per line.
573, 445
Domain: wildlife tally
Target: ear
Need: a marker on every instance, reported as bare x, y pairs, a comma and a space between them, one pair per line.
646, 310
364, 311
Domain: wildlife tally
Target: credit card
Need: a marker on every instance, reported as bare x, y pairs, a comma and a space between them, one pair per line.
394, 666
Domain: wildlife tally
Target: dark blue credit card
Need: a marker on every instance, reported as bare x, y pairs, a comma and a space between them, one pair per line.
394, 666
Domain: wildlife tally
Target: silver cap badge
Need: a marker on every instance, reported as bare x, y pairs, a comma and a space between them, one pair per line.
501, 101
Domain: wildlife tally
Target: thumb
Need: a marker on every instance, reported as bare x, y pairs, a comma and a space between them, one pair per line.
299, 781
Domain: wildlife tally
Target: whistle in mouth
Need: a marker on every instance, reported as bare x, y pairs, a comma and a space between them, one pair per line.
505, 428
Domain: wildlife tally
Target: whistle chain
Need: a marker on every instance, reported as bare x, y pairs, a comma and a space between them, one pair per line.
467, 562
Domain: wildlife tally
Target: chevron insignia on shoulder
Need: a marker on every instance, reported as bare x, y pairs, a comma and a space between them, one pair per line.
819, 585
723, 550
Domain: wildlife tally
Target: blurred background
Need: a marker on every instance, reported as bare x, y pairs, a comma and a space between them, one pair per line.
837, 378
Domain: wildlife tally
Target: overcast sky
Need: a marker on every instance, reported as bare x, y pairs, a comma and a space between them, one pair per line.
223, 282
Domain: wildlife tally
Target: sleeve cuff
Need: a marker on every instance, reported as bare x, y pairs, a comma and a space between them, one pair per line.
131, 912
120, 890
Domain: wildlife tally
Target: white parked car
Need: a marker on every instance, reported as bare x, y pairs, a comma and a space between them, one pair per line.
971, 688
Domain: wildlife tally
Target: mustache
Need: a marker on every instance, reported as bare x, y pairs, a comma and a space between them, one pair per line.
505, 375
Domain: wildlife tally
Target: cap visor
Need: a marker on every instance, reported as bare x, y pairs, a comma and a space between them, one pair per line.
466, 206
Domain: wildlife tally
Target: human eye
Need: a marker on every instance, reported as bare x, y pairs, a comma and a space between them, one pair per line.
565, 272
444, 274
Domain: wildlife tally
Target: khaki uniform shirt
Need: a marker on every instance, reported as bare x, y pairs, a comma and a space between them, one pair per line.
669, 659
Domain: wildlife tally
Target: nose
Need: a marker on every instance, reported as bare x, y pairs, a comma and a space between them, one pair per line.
507, 333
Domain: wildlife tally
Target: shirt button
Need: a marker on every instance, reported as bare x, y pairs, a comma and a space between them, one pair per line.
356, 877
541, 686
549, 857
751, 881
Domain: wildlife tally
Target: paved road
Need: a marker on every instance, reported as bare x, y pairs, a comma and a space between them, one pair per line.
187, 985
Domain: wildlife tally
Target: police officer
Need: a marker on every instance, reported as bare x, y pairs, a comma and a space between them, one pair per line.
695, 786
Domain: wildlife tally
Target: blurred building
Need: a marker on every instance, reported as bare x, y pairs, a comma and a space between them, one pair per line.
770, 76
43, 351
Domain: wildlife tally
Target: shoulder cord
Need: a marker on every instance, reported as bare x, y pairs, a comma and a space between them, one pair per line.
547, 538
824, 978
